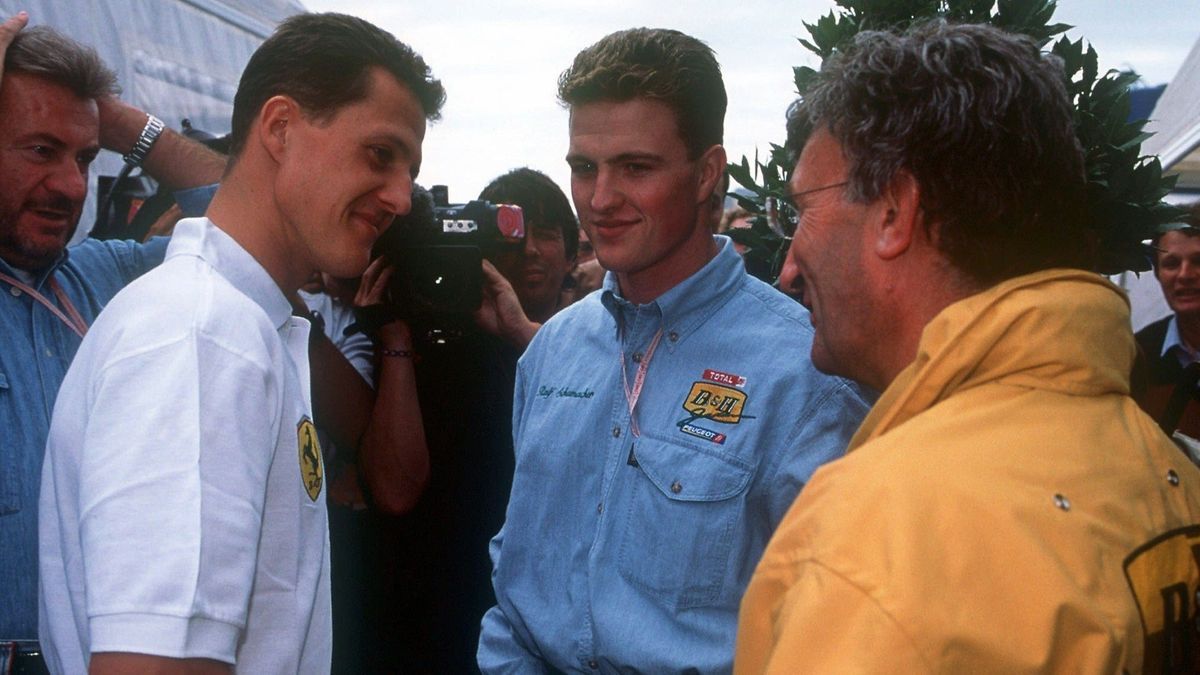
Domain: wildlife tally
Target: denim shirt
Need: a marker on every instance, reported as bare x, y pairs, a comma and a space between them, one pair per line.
35, 350
623, 552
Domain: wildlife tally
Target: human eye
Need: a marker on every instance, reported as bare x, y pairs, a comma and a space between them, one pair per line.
382, 155
637, 168
581, 167
40, 153
1169, 262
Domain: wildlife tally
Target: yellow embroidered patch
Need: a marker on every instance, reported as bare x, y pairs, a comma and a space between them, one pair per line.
312, 470
715, 402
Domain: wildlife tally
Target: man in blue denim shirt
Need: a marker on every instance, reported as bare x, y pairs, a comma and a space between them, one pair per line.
57, 113
659, 438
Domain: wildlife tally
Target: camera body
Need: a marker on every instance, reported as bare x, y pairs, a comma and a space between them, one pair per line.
438, 249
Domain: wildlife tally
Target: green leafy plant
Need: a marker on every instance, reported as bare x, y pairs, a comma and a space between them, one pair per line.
1125, 188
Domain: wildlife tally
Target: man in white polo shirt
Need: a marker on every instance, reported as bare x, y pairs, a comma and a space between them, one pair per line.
182, 522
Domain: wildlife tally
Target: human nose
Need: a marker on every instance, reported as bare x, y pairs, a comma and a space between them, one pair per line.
70, 180
606, 193
790, 282
396, 195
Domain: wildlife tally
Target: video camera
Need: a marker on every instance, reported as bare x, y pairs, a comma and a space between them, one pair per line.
438, 249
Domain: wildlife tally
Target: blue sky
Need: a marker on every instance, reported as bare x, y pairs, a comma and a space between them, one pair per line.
500, 61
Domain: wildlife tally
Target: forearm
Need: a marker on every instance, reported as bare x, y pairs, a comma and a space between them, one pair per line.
174, 160
393, 455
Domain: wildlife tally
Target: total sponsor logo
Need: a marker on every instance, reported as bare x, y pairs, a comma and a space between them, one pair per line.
701, 432
724, 378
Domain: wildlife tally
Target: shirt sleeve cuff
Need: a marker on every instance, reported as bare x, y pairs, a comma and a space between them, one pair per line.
170, 636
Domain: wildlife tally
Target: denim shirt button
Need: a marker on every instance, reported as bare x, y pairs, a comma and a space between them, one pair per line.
600, 507
616, 432
637, 357
593, 665
15, 291
676, 487
673, 336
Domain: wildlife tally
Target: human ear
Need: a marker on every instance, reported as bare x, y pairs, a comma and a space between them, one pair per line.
900, 216
712, 168
274, 123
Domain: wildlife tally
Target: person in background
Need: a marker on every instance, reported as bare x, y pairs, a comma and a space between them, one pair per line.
1168, 389
59, 106
191, 535
432, 564
657, 443
1005, 507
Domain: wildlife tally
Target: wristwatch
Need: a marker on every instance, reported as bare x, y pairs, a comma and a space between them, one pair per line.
150, 133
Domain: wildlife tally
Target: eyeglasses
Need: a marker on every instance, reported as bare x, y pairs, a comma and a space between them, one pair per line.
785, 212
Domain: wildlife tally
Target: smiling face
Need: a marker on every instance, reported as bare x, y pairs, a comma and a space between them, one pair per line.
827, 259
342, 180
537, 269
48, 138
1179, 272
639, 197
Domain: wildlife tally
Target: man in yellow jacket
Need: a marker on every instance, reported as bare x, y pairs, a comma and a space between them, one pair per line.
1005, 507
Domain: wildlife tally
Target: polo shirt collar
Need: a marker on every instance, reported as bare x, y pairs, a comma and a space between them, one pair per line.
201, 238
690, 302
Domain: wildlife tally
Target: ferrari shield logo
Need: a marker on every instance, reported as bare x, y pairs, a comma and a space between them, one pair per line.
312, 472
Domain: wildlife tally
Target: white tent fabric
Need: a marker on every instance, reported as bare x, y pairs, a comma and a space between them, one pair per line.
1176, 117
174, 58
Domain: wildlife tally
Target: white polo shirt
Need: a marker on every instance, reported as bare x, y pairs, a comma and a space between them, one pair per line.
182, 508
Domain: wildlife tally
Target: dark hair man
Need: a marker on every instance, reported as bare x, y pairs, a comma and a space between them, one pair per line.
657, 445
1005, 507
194, 536
1172, 344
538, 269
58, 108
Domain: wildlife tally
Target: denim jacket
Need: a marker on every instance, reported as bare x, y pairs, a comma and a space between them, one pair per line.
625, 552
35, 350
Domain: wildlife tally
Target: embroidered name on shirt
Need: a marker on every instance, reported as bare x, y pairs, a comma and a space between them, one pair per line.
564, 392
724, 378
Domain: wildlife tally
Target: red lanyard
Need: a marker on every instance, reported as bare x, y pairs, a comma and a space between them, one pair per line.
72, 317
632, 395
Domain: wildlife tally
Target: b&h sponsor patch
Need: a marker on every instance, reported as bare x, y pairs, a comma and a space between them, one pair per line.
312, 470
718, 397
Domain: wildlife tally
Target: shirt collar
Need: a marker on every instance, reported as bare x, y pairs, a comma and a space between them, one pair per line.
1172, 340
199, 237
690, 302
39, 277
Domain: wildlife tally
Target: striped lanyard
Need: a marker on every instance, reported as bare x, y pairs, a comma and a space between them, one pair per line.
632, 395
71, 318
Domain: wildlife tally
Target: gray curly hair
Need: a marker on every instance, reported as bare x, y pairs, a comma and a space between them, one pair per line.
982, 120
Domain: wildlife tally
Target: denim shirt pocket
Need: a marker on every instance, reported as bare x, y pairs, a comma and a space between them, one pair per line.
10, 494
684, 508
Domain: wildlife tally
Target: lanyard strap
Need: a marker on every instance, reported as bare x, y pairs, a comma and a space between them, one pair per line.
632, 395
71, 318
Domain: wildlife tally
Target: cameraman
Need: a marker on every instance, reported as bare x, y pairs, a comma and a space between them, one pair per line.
433, 571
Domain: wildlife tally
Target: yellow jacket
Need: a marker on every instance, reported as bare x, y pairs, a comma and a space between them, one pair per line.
1006, 508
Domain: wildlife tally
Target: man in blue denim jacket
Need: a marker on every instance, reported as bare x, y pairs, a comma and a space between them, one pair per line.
58, 109
659, 436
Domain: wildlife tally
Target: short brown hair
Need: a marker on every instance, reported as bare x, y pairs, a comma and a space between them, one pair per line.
44, 52
658, 64
324, 61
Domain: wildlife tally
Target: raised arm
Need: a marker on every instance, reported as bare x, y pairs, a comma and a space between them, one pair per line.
174, 160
